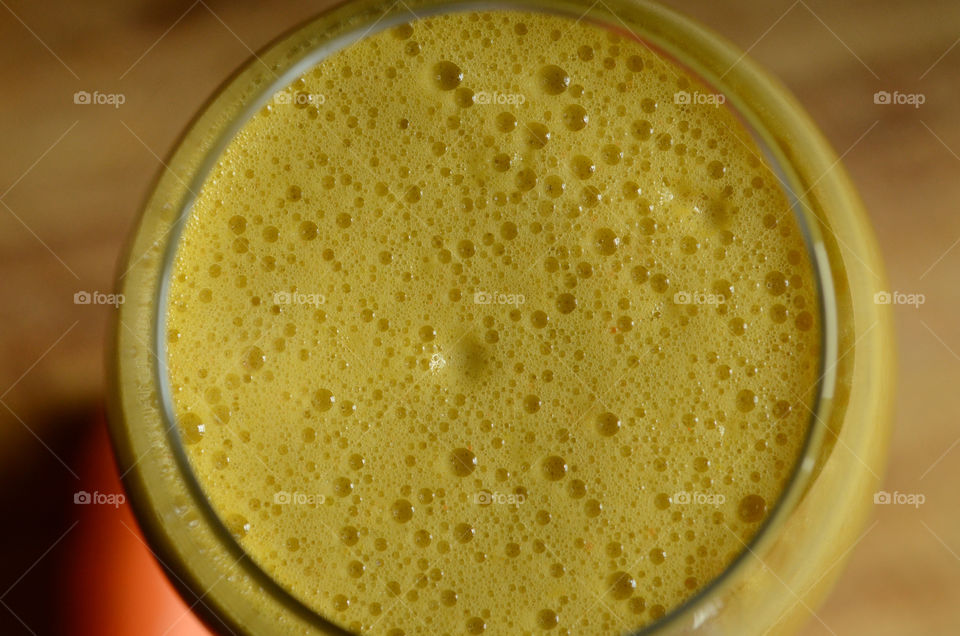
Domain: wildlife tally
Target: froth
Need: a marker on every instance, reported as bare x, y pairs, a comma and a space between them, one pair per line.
475, 325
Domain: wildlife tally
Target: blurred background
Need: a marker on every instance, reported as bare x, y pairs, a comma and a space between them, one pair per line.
73, 177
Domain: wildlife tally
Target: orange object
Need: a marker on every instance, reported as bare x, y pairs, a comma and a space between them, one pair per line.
114, 583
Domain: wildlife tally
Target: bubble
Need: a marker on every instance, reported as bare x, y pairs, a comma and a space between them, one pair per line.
531, 404
591, 196
547, 619
804, 321
752, 508
657, 556
662, 501
355, 569
448, 598
554, 186
593, 508
689, 245
464, 532
660, 283
738, 326
466, 249
427, 333
537, 135
323, 400
238, 224
342, 486
349, 535
746, 401
192, 428
577, 489
606, 241
641, 130
575, 117
501, 162
782, 409
463, 97
508, 230
554, 468
582, 167
308, 230
447, 75
621, 585
422, 538
716, 170
640, 274
608, 424
539, 319
413, 195
553, 80
401, 511
238, 525
476, 625
612, 155
506, 122
254, 358
566, 303
776, 283
462, 462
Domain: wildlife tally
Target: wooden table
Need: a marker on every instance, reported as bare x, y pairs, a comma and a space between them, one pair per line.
72, 178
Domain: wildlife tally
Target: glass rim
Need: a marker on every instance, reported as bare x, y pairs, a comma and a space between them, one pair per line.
696, 607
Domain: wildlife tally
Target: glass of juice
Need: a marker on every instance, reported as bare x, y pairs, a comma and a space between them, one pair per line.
502, 318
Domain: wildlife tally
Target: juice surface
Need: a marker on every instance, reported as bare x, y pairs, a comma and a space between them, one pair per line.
493, 323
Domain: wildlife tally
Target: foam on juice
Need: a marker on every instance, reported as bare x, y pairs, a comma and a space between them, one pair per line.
479, 328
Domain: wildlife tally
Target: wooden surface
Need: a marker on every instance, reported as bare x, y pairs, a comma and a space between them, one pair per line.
73, 176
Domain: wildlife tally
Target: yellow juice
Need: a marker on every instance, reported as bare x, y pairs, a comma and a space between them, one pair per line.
493, 322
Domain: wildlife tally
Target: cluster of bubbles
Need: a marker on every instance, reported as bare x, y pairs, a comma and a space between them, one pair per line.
444, 365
